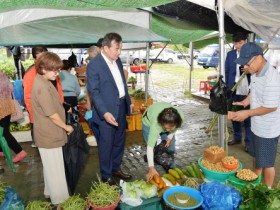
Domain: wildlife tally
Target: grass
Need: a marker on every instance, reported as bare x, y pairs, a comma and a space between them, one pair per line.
176, 74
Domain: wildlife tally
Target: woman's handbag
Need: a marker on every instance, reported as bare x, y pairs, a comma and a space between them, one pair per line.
19, 113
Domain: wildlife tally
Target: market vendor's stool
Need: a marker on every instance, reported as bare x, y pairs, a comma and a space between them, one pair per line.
203, 86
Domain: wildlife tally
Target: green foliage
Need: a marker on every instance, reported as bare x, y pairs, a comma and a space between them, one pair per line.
259, 197
38, 205
74, 202
7, 64
132, 79
188, 94
2, 191
139, 94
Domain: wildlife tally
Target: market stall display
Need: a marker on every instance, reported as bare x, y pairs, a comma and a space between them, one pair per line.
193, 202
215, 175
100, 190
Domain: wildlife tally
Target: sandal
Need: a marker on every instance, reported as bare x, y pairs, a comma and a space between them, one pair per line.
19, 156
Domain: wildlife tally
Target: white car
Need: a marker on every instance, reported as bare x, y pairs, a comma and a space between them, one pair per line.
126, 56
167, 55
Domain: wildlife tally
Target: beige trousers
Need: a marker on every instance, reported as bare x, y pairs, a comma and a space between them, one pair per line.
54, 174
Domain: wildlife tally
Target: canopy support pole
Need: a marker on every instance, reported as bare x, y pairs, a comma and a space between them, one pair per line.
147, 71
191, 65
221, 122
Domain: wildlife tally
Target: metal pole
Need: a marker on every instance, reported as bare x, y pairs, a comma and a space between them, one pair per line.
191, 65
221, 122
147, 72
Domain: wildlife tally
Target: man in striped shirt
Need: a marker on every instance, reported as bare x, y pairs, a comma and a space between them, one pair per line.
264, 100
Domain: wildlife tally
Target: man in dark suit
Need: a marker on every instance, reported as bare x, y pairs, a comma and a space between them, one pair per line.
110, 105
233, 73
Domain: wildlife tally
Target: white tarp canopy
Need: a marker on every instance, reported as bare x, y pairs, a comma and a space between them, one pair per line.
259, 16
74, 28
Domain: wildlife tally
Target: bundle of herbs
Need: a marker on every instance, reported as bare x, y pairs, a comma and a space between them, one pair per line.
74, 202
260, 197
2, 192
102, 194
38, 205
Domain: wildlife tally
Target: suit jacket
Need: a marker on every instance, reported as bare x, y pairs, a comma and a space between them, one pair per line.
103, 90
230, 69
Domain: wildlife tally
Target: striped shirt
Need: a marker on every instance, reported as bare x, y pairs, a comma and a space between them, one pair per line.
265, 92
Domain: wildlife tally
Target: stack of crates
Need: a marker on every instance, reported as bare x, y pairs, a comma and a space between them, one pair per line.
134, 122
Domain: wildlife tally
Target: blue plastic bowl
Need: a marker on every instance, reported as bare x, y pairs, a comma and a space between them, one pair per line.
215, 175
190, 191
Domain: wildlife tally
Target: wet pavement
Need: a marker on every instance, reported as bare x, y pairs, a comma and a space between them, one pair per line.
191, 140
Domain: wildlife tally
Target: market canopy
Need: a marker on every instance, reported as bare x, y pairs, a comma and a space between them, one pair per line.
73, 31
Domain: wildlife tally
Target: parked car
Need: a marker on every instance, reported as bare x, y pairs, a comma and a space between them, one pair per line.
209, 56
126, 56
184, 55
138, 57
167, 55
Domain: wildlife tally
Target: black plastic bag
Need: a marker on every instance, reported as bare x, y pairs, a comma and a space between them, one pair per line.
75, 153
162, 156
220, 97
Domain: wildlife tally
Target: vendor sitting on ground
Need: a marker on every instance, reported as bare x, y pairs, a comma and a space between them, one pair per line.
160, 119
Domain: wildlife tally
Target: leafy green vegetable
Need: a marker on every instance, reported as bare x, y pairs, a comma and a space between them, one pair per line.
74, 202
2, 192
102, 194
38, 205
259, 197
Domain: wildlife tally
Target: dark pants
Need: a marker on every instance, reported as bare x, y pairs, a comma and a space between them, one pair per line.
12, 142
111, 143
94, 127
32, 132
237, 126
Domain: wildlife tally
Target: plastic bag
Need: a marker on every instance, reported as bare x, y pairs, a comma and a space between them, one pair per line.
219, 196
220, 97
12, 200
162, 156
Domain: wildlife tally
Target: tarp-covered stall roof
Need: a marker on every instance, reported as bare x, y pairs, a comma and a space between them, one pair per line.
261, 17
79, 4
74, 31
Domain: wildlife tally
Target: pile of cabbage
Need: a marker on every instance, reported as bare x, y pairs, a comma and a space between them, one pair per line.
134, 192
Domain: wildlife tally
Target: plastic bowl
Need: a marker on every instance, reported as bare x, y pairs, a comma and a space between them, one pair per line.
215, 175
230, 166
111, 207
190, 191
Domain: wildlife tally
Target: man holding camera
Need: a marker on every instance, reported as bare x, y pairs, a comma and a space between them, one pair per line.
233, 72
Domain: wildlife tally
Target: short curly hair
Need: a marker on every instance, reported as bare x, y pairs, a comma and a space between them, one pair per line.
48, 61
170, 116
